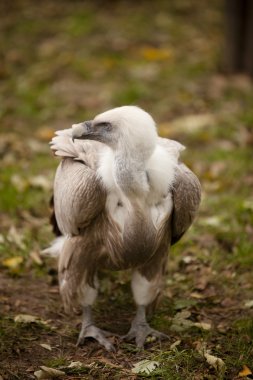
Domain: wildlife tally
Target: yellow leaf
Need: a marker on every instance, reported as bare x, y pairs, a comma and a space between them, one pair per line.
155, 54
13, 262
45, 133
245, 371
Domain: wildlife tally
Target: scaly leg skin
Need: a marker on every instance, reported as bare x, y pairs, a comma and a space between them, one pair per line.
89, 330
140, 329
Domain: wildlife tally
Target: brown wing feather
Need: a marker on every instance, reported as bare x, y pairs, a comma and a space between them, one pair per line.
186, 197
79, 196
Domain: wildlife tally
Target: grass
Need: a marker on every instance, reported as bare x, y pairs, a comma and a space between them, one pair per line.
67, 63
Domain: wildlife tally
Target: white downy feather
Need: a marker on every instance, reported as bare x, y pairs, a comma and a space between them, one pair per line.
55, 247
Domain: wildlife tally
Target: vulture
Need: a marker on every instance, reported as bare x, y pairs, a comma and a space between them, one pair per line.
121, 199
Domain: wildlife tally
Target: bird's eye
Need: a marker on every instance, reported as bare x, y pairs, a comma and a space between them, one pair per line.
106, 125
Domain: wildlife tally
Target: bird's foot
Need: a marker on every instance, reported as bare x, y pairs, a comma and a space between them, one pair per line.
99, 335
140, 331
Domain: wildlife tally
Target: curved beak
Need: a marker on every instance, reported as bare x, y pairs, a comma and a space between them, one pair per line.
82, 131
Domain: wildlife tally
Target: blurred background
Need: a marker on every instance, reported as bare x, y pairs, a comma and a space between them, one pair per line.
181, 60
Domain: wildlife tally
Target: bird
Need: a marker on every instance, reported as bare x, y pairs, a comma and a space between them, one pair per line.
122, 197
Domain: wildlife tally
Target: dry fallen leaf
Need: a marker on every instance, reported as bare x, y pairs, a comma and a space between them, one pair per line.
175, 344
45, 133
197, 295
25, 318
13, 263
248, 304
48, 373
184, 314
145, 366
75, 365
181, 304
109, 362
212, 221
245, 371
180, 322
41, 182
19, 182
35, 256
203, 325
46, 346
201, 281
156, 54
248, 204
186, 124
188, 259
16, 237
214, 361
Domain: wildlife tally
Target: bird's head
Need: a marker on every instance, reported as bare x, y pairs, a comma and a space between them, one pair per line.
127, 127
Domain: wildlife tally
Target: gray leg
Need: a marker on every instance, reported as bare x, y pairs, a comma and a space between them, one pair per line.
145, 293
89, 330
140, 329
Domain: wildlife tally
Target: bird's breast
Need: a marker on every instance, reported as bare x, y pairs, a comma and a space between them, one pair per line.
134, 231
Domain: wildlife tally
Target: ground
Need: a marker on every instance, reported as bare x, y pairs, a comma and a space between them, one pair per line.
64, 63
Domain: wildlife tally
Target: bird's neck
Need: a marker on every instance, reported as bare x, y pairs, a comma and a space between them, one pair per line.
130, 171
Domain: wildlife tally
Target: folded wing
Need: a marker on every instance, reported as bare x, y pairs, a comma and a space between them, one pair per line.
79, 195
186, 198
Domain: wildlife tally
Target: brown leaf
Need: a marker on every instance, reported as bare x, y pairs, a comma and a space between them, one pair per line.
202, 279
228, 302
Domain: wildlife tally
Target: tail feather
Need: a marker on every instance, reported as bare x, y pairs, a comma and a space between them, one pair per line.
55, 247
